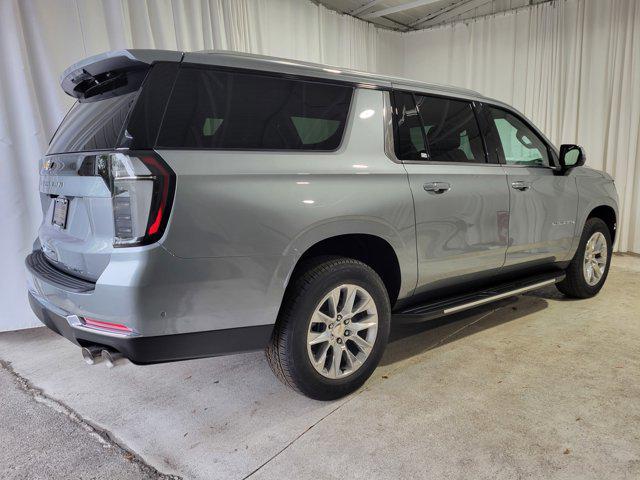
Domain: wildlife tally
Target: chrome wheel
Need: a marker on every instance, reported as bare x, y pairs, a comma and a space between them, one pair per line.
342, 331
595, 259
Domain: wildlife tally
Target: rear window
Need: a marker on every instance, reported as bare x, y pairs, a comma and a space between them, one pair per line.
211, 109
92, 125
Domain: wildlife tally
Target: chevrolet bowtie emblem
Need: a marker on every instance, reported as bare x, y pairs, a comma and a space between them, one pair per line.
49, 165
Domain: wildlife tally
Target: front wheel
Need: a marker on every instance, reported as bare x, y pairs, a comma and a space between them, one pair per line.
589, 268
332, 328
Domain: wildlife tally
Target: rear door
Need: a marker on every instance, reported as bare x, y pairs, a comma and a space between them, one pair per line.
461, 200
543, 205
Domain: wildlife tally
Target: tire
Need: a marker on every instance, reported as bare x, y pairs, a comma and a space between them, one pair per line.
290, 352
576, 283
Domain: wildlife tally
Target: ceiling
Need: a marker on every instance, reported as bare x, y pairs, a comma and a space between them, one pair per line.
405, 15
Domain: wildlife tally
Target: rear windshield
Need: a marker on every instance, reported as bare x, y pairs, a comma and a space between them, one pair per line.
92, 125
211, 109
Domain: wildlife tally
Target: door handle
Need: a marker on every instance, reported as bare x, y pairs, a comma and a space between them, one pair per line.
437, 187
520, 185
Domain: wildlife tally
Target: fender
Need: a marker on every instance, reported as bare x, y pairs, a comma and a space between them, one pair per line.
403, 244
595, 189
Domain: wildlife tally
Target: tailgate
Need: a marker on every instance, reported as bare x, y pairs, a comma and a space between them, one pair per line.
76, 232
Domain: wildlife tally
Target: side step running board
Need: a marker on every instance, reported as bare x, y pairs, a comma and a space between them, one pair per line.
439, 308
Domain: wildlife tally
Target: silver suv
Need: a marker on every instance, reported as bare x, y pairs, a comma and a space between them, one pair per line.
200, 204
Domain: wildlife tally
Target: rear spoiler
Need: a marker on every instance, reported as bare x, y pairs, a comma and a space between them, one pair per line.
98, 75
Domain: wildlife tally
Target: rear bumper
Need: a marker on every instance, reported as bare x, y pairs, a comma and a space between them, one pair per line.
155, 349
155, 293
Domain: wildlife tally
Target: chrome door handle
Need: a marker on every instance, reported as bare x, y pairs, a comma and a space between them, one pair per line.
437, 187
520, 185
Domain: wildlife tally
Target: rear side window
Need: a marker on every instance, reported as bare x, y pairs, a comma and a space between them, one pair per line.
409, 135
436, 129
212, 109
93, 125
451, 129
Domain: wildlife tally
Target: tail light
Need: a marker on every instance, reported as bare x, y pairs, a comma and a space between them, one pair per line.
142, 187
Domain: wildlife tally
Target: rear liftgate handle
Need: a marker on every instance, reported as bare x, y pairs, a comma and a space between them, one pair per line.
437, 188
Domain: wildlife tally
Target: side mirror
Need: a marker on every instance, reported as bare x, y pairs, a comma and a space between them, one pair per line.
571, 156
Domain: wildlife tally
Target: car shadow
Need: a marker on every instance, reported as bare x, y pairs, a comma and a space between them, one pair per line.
407, 340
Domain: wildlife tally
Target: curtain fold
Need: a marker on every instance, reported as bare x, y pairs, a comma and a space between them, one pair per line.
572, 66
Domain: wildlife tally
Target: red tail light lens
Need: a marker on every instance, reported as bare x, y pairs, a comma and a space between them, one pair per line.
142, 187
163, 195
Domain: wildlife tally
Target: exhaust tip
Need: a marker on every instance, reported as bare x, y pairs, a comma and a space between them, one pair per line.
110, 357
91, 355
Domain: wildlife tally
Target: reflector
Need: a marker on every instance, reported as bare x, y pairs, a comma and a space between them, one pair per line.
116, 327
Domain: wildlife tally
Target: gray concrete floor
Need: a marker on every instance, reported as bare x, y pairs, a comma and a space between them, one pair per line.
43, 439
539, 387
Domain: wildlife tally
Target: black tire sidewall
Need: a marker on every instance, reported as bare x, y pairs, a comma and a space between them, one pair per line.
311, 382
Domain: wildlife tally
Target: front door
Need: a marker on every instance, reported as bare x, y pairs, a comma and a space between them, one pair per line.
461, 201
543, 204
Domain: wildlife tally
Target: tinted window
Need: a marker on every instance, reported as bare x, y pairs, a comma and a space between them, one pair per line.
230, 110
521, 146
409, 136
92, 125
451, 129
144, 121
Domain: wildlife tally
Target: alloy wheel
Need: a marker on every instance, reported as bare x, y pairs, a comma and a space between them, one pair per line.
342, 331
595, 258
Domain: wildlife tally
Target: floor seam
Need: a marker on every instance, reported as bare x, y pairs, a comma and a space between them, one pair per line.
366, 389
102, 435
274, 456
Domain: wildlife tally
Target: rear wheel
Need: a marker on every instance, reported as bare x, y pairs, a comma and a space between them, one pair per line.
332, 328
589, 268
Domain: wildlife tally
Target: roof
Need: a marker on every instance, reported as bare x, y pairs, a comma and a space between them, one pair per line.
316, 70
137, 58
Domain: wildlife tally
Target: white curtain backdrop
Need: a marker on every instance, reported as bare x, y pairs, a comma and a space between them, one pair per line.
40, 38
572, 66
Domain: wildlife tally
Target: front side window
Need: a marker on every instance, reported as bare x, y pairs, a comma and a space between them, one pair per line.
211, 109
521, 146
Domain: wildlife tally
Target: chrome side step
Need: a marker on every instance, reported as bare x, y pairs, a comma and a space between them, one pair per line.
439, 308
500, 296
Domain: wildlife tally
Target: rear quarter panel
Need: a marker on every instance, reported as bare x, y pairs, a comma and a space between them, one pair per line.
263, 210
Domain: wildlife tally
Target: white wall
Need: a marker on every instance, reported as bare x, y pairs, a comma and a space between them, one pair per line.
572, 66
